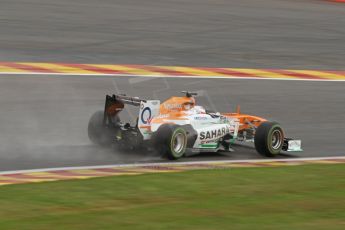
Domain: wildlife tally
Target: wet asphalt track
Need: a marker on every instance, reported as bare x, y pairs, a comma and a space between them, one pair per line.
43, 119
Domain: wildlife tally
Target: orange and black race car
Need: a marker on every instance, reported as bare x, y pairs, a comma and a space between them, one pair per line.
178, 127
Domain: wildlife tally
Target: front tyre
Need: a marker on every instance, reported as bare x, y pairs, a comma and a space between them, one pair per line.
269, 139
171, 141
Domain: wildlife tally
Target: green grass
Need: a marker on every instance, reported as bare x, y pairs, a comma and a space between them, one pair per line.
294, 197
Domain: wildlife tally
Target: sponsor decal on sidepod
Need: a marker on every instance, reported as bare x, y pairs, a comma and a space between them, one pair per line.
214, 134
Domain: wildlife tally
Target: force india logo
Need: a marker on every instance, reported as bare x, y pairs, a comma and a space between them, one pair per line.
214, 134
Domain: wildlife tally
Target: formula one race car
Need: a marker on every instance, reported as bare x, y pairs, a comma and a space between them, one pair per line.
179, 127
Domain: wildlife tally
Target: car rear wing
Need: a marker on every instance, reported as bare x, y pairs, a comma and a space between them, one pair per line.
148, 110
115, 103
109, 100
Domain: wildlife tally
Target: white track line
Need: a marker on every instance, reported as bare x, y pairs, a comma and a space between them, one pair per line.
172, 76
171, 163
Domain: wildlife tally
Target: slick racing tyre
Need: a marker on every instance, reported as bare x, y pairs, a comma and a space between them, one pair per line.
97, 132
269, 139
171, 141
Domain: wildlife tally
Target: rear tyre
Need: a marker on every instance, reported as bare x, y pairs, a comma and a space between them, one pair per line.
171, 141
269, 139
97, 132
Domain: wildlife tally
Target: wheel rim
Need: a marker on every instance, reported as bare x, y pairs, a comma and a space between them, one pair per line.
179, 142
276, 139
